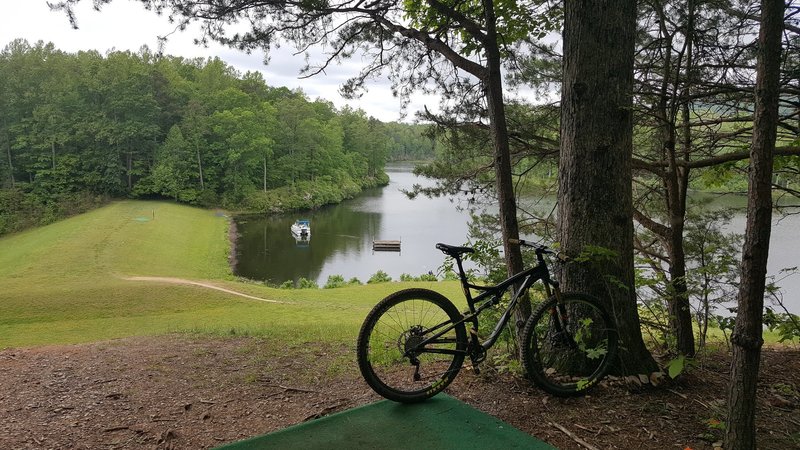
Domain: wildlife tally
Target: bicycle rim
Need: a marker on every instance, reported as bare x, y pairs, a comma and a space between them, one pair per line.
569, 345
389, 341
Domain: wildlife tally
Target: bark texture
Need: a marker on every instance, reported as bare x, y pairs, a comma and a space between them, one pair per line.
747, 334
595, 194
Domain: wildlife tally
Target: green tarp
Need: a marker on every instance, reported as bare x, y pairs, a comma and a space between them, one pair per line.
439, 423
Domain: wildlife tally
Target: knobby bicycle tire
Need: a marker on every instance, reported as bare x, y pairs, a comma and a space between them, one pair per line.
569, 345
397, 324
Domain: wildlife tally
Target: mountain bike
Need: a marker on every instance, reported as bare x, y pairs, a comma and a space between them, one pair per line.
412, 343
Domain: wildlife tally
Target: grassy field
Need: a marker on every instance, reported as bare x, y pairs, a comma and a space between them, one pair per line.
65, 283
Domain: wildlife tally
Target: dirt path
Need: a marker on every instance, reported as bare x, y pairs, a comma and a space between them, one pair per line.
194, 392
199, 283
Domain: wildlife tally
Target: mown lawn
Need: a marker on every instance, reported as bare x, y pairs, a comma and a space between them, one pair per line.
65, 283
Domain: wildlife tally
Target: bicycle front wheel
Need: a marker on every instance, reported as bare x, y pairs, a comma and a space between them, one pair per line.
410, 346
569, 345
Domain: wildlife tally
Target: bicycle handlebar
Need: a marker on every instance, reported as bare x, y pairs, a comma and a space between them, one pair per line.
540, 249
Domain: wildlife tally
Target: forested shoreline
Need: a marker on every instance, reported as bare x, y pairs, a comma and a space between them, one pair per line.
79, 129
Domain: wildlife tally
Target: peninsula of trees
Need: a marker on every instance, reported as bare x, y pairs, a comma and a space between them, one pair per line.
79, 128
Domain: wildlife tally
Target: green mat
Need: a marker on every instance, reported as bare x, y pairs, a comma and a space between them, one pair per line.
439, 423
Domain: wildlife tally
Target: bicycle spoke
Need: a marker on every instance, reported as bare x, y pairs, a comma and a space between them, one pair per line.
392, 355
569, 346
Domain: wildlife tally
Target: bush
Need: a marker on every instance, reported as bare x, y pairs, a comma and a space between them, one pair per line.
451, 276
424, 277
428, 277
304, 283
207, 198
379, 277
335, 281
20, 209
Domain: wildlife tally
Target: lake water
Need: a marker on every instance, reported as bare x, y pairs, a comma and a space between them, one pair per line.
784, 252
342, 235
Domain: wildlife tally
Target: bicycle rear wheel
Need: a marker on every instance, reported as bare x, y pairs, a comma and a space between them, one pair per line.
569, 345
390, 355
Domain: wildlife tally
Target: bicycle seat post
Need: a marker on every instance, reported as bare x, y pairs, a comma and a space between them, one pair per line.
456, 253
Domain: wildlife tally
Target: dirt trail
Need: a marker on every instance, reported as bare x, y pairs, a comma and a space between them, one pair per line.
199, 283
198, 391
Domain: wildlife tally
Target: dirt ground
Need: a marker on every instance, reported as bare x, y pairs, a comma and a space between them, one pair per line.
190, 392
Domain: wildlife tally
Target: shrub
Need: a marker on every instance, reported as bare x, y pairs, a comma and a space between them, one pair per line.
428, 277
450, 276
379, 277
335, 281
304, 283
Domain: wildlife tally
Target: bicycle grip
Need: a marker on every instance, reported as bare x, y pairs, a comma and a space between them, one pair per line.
515, 241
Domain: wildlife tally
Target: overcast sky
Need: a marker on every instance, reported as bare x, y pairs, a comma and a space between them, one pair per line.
126, 25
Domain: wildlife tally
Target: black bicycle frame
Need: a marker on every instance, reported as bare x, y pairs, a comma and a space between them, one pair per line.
489, 296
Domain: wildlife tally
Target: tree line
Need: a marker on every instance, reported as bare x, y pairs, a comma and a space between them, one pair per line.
79, 128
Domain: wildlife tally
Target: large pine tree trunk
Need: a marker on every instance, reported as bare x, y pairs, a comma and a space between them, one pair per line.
747, 333
595, 193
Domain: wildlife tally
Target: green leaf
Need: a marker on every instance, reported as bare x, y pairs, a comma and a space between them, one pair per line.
676, 366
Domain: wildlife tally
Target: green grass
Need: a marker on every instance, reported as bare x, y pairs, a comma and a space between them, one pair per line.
64, 283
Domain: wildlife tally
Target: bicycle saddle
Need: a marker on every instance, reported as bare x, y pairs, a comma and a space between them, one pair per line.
454, 251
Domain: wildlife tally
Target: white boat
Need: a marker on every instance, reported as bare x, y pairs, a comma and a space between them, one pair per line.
301, 228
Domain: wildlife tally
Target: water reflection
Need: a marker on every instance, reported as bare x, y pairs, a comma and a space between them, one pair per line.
342, 235
267, 250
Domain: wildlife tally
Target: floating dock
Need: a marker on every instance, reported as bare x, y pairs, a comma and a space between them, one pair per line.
386, 246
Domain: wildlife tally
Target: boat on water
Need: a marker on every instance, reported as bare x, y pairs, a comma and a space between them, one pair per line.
302, 228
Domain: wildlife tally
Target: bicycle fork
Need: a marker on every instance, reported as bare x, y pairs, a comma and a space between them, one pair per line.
561, 317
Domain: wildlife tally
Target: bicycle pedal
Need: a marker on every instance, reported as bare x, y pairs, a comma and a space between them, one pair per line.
476, 369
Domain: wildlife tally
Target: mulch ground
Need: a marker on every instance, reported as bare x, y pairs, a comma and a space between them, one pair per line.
189, 392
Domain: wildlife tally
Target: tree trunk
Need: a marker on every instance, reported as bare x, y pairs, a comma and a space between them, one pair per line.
680, 316
8, 152
747, 333
129, 165
199, 167
683, 317
679, 311
595, 192
10, 165
502, 160
265, 174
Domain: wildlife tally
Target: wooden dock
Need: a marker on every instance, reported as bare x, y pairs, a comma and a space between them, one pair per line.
386, 246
